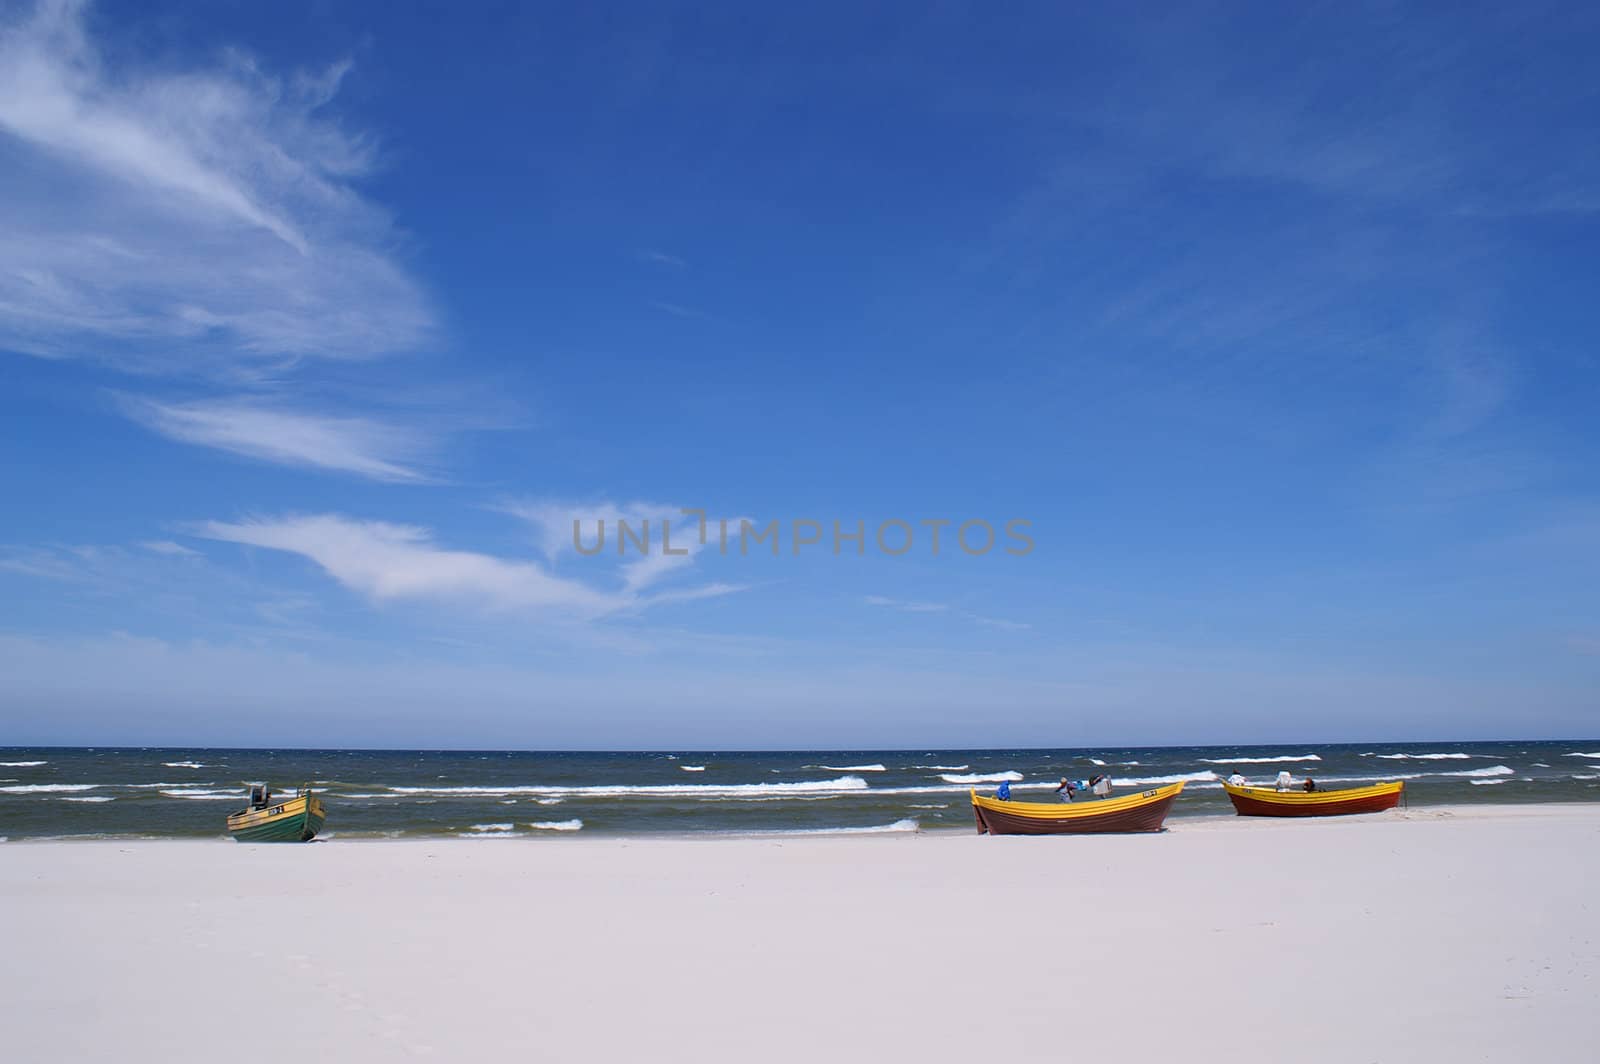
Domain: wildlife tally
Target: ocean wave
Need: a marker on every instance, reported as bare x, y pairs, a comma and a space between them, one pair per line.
692, 768
1204, 776
1583, 777
1487, 783
659, 790
877, 829
47, 788
848, 768
91, 798
558, 825
1096, 761
549, 801
1493, 770
493, 827
1582, 754
1286, 758
936, 805
182, 764
793, 797
205, 796
36, 764
984, 777
943, 768
1423, 757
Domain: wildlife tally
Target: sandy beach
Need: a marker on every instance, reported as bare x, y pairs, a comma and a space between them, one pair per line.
1445, 934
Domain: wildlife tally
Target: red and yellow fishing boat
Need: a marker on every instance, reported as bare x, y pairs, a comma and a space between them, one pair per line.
270, 819
1145, 811
1268, 801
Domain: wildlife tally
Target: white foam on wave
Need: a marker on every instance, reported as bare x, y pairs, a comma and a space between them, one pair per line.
1493, 770
493, 827
91, 798
1096, 761
984, 777
204, 795
877, 829
182, 764
943, 768
1582, 754
793, 797
1424, 757
848, 768
36, 764
1204, 776
1487, 783
935, 805
1286, 758
660, 790
47, 788
1584, 777
693, 768
558, 825
549, 801
1128, 764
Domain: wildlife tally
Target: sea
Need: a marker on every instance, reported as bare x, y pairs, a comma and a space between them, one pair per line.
506, 794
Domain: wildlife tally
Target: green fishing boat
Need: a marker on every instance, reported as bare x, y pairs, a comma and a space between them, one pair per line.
270, 819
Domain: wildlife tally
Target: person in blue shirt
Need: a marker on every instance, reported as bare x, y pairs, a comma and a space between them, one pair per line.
1003, 792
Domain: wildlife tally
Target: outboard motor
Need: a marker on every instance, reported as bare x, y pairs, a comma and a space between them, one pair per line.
258, 796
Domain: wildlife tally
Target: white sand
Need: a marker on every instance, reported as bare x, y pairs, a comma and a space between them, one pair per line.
1428, 936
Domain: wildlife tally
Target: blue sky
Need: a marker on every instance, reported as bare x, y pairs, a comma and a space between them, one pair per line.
320, 323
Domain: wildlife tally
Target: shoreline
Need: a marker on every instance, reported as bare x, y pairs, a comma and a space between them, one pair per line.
1202, 822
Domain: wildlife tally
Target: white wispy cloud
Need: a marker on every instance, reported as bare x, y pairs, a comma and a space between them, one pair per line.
553, 521
196, 220
908, 607
388, 562
661, 258
169, 548
941, 607
373, 449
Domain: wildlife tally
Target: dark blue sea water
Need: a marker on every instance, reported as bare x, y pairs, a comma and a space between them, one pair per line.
50, 792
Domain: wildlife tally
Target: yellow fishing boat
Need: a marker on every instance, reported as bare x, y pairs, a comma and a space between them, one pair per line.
1268, 801
1145, 811
269, 819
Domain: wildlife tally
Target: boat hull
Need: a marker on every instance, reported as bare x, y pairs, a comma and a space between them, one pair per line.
1143, 812
296, 820
1263, 801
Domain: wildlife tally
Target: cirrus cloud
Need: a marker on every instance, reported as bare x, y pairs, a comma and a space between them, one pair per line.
199, 220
